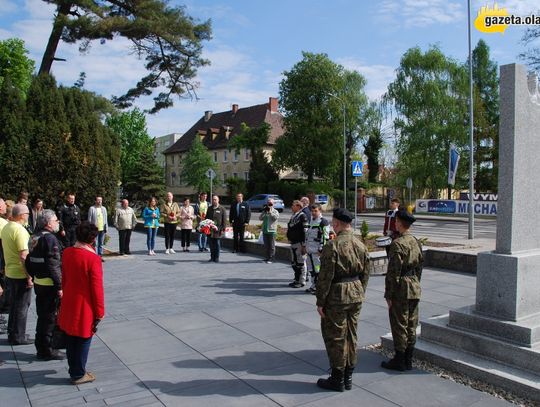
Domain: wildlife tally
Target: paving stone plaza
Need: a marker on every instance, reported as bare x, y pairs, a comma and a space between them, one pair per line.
180, 331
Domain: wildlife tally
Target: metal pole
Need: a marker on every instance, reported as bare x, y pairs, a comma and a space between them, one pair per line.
471, 130
355, 203
344, 159
211, 179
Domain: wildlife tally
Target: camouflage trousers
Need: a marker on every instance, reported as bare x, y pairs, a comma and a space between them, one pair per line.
338, 329
403, 322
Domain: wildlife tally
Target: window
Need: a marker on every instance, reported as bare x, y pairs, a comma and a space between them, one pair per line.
215, 156
224, 156
246, 176
167, 143
235, 175
172, 158
246, 154
224, 178
235, 156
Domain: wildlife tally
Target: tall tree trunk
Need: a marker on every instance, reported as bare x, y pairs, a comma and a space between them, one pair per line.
48, 56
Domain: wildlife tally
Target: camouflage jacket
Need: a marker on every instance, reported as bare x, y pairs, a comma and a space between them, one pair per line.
404, 269
345, 257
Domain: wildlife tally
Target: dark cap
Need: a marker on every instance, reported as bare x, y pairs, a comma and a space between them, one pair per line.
343, 215
405, 216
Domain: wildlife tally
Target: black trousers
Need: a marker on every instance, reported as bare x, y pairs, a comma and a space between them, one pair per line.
20, 296
124, 237
46, 306
185, 236
215, 248
71, 236
238, 238
170, 229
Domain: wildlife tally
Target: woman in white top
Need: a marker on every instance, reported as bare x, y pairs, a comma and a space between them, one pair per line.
187, 214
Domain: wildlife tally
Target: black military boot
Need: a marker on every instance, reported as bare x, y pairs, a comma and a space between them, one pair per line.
334, 382
347, 377
396, 363
408, 357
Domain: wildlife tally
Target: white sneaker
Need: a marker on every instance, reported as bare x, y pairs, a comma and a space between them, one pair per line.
167, 251
150, 252
171, 251
153, 253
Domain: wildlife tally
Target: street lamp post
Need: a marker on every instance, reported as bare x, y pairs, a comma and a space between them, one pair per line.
344, 152
471, 131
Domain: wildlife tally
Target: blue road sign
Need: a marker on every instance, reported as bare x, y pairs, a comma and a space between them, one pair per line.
357, 170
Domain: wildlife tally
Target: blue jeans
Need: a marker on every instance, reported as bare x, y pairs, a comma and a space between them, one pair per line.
77, 354
151, 238
202, 241
99, 242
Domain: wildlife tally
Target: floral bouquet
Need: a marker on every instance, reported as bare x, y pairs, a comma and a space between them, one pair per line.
172, 217
207, 226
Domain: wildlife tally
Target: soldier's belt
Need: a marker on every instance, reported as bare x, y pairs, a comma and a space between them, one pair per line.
408, 273
345, 279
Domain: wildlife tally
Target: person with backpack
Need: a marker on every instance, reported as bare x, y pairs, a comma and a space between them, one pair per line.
43, 263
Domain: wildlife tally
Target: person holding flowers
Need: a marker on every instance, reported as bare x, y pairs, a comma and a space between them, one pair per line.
151, 223
218, 215
187, 214
170, 211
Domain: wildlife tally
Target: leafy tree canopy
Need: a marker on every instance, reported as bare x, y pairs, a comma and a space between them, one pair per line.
169, 40
15, 64
195, 165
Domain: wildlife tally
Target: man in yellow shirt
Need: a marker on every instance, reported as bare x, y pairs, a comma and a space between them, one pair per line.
15, 248
3, 222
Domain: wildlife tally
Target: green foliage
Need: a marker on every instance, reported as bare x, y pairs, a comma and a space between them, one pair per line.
195, 165
372, 147
14, 141
429, 96
169, 40
486, 118
261, 171
364, 230
135, 142
236, 186
56, 143
312, 95
15, 64
145, 179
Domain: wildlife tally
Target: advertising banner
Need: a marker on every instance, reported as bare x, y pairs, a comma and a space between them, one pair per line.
457, 207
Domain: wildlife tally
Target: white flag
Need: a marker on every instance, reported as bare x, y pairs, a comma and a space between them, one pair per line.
453, 162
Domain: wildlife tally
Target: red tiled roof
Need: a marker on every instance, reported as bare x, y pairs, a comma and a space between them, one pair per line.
253, 116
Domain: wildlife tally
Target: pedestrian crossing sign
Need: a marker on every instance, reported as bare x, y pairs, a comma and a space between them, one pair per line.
357, 170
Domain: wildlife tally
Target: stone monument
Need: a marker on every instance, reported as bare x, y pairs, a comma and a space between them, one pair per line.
497, 340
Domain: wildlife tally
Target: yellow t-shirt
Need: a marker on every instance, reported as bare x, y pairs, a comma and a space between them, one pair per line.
14, 240
99, 219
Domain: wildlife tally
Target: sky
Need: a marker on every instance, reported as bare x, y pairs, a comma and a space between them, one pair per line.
255, 41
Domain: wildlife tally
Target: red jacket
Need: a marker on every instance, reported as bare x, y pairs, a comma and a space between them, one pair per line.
390, 223
82, 286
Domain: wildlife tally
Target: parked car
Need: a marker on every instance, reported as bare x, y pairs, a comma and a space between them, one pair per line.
257, 202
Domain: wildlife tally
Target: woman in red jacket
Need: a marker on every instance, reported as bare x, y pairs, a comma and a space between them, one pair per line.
82, 303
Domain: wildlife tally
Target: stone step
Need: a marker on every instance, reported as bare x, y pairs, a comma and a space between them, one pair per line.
436, 330
520, 382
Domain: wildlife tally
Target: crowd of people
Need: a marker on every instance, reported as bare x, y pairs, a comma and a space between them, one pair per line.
60, 256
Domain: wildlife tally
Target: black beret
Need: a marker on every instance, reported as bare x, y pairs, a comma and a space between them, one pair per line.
343, 215
406, 216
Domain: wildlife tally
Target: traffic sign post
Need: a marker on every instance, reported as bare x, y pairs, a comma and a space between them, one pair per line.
211, 174
357, 171
408, 184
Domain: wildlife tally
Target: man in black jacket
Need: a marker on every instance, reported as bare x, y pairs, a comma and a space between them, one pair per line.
296, 233
239, 217
44, 264
218, 215
69, 216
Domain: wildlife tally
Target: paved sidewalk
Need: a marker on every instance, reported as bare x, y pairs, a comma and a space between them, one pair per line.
180, 331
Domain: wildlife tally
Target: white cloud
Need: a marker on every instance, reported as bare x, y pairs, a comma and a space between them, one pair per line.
378, 76
38, 9
7, 7
421, 13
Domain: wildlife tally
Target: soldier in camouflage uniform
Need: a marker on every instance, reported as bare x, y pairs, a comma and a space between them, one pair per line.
402, 291
341, 285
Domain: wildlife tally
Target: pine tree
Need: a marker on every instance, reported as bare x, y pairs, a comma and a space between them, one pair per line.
14, 143
48, 130
145, 180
